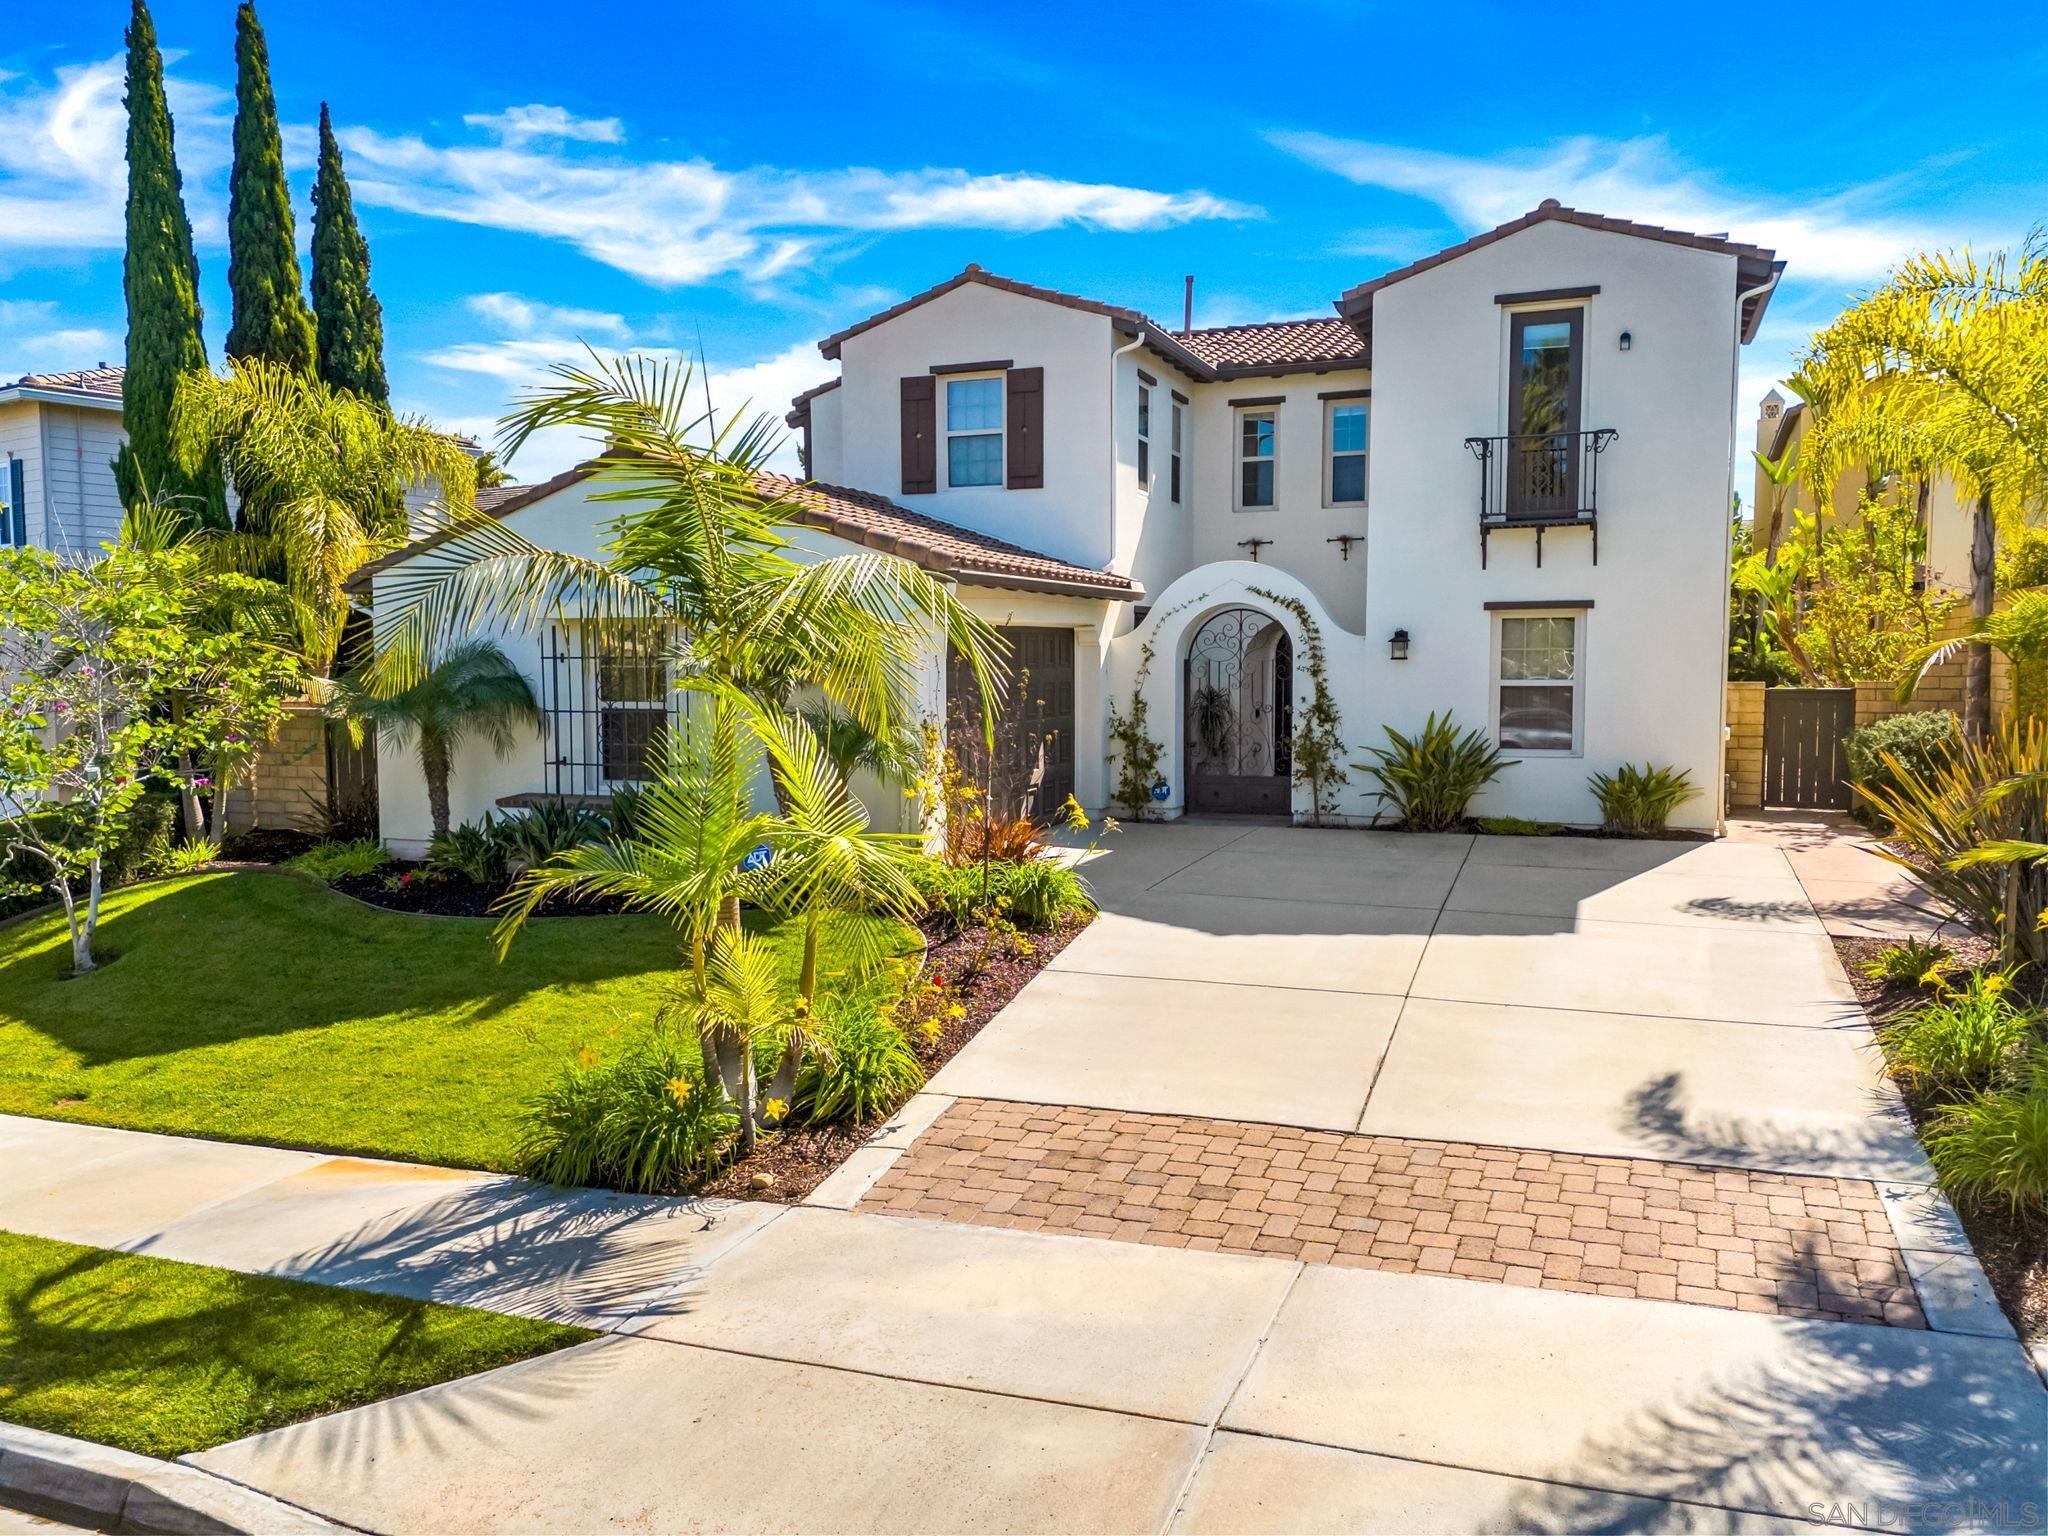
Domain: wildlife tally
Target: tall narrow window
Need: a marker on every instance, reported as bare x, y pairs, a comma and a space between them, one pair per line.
1257, 454
1173, 473
1545, 364
974, 431
1347, 429
632, 703
1536, 682
1144, 438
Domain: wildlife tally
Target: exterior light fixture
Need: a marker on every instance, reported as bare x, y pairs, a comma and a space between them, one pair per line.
1400, 645
1626, 341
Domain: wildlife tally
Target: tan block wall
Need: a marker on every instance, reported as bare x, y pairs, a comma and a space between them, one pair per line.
1745, 758
286, 787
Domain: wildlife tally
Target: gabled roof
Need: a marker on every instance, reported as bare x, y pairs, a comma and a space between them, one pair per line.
800, 407
1278, 343
859, 517
100, 386
1226, 352
1754, 265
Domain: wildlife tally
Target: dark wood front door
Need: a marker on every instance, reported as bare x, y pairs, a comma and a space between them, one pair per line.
1239, 715
1032, 762
1805, 766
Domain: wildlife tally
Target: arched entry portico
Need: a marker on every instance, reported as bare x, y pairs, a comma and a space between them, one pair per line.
1238, 716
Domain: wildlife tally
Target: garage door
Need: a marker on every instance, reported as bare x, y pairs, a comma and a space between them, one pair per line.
1032, 764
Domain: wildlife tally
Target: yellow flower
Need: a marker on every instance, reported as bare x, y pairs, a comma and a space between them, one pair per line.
1995, 983
775, 1109
679, 1089
956, 1012
586, 1057
1076, 818
929, 1028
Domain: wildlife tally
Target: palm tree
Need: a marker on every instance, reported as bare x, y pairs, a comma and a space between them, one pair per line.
1944, 370
471, 690
697, 847
331, 470
699, 555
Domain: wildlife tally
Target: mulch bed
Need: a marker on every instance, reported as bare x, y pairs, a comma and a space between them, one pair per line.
2013, 1251
430, 895
982, 977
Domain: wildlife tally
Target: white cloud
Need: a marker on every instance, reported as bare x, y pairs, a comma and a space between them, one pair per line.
63, 169
520, 363
688, 221
518, 125
524, 317
56, 350
1639, 179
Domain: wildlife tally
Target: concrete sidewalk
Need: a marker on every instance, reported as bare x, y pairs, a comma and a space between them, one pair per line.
1409, 1036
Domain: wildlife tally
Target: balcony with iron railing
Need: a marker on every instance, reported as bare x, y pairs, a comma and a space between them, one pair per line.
1540, 481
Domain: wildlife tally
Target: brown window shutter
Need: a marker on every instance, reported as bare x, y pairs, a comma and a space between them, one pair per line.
1024, 410
920, 435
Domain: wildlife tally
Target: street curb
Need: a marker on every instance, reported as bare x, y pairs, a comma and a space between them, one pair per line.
113, 1490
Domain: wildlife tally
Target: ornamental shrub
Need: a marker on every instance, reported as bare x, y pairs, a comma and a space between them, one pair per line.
1992, 1149
1637, 802
331, 861
1964, 1040
647, 1121
861, 1066
1430, 778
1917, 741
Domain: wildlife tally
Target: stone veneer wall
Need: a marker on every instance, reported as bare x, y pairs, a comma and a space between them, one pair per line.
1940, 689
286, 787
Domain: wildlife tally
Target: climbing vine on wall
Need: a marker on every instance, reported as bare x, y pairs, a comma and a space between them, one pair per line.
1319, 728
1134, 750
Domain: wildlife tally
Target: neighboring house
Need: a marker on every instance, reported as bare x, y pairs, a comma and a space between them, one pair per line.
1495, 482
1781, 428
59, 433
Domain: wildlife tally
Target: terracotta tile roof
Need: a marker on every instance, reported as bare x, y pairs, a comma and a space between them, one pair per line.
1127, 321
1278, 343
800, 407
1754, 263
859, 517
101, 382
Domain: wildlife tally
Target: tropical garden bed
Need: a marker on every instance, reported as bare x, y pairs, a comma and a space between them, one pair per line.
1935, 1072
164, 1358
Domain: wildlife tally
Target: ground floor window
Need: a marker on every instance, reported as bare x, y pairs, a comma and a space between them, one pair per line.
606, 695
1536, 682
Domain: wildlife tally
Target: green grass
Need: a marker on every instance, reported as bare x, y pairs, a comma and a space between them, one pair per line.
253, 1005
166, 1358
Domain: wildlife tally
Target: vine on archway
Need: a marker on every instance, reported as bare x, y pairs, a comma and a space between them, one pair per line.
1318, 732
1136, 752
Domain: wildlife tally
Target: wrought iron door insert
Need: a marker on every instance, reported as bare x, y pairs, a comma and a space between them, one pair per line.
1239, 690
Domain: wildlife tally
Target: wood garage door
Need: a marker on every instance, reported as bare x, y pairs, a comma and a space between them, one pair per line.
1032, 764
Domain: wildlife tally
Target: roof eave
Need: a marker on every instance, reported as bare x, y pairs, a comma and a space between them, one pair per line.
969, 576
61, 397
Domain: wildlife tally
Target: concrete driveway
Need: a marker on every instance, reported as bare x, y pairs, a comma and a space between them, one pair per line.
1330, 1181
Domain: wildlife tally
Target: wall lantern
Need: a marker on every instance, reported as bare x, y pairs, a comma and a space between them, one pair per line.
1400, 645
1627, 341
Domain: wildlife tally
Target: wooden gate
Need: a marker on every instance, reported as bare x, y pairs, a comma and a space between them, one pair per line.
1804, 764
1032, 766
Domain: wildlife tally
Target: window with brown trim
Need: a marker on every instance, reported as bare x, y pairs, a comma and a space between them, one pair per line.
1173, 473
1546, 376
1144, 438
1258, 461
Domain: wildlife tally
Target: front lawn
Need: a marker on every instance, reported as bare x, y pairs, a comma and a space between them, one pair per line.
257, 1005
165, 1358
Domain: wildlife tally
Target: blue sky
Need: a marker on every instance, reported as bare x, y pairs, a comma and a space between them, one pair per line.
642, 174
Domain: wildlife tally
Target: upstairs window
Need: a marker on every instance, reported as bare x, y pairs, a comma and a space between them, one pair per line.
1144, 438
974, 431
1173, 472
1257, 455
1347, 429
14, 504
633, 700
1536, 682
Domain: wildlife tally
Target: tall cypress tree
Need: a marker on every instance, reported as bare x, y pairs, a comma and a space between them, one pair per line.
161, 278
271, 320
348, 320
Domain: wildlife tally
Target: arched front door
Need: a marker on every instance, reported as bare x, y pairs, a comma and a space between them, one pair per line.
1239, 692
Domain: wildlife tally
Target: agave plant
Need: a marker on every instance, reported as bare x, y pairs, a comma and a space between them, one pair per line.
1429, 779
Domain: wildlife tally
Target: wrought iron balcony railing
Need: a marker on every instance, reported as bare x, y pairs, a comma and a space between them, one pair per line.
1540, 480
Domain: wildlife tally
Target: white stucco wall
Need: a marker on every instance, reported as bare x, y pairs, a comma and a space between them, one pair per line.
1298, 523
1071, 517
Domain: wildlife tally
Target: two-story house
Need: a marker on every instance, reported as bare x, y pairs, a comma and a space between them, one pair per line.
59, 433
1493, 482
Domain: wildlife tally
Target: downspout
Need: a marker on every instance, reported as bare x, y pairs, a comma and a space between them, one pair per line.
1742, 297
